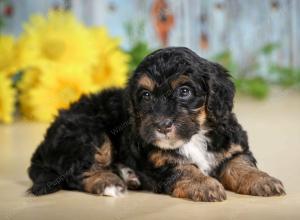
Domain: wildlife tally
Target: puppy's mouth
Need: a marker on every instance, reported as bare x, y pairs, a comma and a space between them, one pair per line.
168, 133
169, 139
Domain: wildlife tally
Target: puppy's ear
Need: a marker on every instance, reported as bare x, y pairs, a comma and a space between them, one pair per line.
221, 92
128, 102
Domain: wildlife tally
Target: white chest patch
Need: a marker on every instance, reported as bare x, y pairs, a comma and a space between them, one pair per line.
196, 151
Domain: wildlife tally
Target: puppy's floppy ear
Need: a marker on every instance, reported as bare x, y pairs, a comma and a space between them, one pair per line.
221, 92
129, 98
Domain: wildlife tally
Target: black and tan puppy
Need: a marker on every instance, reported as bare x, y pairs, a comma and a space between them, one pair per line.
170, 131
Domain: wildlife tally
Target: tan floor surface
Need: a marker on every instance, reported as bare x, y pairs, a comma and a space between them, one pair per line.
274, 134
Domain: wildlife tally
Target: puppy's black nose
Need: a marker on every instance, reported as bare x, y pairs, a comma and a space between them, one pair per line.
165, 126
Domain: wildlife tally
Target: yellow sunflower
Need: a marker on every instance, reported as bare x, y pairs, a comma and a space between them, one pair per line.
58, 39
112, 66
7, 99
57, 88
61, 60
29, 80
8, 64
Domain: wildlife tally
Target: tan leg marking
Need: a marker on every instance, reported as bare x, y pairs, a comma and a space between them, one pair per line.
160, 158
241, 176
196, 186
96, 182
227, 154
103, 154
99, 179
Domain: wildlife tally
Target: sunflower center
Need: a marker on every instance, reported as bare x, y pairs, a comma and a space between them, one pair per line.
53, 49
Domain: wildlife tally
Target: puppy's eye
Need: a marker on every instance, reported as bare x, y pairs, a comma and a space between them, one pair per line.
184, 92
146, 95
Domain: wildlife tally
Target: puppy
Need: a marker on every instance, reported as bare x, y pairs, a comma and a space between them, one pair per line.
170, 131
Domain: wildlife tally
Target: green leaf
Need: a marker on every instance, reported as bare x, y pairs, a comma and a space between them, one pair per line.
137, 54
1, 23
268, 48
225, 58
286, 76
256, 87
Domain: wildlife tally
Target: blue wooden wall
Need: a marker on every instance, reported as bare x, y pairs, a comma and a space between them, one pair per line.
207, 26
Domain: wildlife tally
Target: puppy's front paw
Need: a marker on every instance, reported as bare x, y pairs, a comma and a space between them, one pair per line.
260, 184
206, 190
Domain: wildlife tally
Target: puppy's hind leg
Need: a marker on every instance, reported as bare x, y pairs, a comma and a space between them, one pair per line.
103, 182
100, 178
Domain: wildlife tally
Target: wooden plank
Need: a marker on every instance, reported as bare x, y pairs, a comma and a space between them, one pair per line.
295, 35
280, 30
208, 27
217, 28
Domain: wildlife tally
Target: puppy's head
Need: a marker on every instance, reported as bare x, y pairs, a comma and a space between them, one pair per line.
174, 92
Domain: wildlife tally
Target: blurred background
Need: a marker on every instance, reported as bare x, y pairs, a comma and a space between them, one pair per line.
52, 51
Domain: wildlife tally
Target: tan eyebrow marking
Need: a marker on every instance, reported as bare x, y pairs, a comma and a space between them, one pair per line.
146, 82
180, 80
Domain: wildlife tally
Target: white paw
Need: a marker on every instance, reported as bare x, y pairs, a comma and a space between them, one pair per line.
114, 191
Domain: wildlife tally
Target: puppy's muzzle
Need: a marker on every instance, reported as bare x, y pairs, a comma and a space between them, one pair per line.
164, 126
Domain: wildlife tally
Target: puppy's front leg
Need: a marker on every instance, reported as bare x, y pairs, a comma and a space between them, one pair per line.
242, 176
193, 184
185, 180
